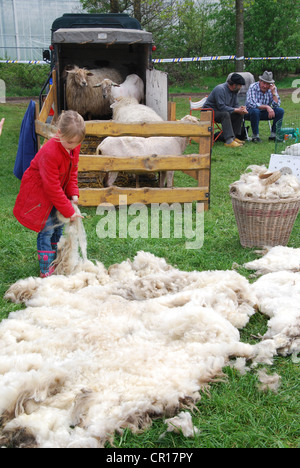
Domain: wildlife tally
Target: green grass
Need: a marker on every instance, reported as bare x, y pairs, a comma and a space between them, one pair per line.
235, 414
205, 84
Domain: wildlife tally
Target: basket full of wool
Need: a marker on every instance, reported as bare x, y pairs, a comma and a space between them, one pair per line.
266, 205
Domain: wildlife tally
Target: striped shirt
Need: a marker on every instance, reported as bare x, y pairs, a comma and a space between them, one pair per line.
256, 98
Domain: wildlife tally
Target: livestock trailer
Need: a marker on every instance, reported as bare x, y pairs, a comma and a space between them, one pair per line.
118, 41
114, 40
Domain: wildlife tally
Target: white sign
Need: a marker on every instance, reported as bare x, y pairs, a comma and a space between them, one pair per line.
280, 161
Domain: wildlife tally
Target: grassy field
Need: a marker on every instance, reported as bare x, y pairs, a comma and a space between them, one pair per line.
235, 414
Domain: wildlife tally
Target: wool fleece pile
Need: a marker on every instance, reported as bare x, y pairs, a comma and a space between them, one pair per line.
98, 350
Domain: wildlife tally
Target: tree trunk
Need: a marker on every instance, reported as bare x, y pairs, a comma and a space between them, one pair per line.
114, 6
239, 8
137, 10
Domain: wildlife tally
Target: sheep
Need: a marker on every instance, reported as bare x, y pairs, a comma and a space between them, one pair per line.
140, 146
128, 110
83, 97
133, 86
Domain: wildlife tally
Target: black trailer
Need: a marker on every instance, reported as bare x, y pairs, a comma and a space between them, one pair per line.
112, 40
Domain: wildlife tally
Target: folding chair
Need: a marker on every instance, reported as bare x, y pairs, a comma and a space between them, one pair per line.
198, 106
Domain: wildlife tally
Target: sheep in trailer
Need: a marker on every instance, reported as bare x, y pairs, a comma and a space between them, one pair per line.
129, 110
83, 97
133, 86
140, 146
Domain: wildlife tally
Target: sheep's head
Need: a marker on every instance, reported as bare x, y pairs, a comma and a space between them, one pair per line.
106, 86
80, 76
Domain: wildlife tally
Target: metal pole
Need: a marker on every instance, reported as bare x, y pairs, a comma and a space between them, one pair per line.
16, 28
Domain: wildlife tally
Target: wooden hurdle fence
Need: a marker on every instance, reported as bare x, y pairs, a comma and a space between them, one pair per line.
195, 165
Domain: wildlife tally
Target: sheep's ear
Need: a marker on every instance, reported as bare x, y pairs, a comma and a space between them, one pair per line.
97, 85
71, 71
90, 74
115, 84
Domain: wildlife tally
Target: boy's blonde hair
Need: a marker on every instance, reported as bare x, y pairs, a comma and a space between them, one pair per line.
71, 125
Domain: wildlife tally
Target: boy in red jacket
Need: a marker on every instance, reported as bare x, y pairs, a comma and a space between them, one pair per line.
49, 185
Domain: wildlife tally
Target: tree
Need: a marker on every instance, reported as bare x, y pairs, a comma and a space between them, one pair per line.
239, 13
153, 15
137, 10
114, 6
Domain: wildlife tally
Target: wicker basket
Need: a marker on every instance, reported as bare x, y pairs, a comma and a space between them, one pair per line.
264, 222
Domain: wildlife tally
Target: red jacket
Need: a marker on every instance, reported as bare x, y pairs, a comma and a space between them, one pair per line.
50, 180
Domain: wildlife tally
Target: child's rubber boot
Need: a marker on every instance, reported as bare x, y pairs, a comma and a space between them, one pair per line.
45, 260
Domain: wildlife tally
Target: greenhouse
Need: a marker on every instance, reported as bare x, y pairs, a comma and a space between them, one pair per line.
25, 26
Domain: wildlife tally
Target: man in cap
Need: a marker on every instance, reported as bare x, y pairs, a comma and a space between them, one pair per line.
263, 103
223, 100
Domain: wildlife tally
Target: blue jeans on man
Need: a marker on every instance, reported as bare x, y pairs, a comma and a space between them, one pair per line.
255, 115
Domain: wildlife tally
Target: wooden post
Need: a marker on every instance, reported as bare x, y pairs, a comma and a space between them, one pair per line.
171, 110
55, 105
205, 146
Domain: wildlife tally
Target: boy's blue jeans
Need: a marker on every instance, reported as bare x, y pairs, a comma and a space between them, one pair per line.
255, 115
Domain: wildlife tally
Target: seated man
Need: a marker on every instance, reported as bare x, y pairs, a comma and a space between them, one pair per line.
263, 103
223, 100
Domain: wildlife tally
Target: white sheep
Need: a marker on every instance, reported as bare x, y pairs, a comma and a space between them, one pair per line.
82, 96
129, 110
133, 86
141, 146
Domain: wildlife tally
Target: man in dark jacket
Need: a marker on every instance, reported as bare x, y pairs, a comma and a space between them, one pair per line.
223, 100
